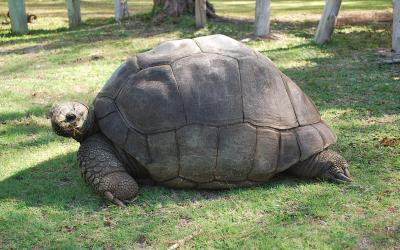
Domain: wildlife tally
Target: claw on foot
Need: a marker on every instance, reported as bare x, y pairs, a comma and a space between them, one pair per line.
347, 173
113, 199
333, 167
341, 178
339, 175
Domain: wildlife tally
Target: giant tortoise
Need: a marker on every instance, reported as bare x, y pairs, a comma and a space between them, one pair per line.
207, 113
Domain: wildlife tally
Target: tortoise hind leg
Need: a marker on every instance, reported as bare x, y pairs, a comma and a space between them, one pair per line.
326, 165
101, 168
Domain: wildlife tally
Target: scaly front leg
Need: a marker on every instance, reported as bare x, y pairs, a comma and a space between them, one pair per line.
101, 168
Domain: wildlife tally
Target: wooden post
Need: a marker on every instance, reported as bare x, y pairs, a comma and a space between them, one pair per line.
396, 26
328, 21
121, 10
19, 23
263, 15
74, 13
201, 13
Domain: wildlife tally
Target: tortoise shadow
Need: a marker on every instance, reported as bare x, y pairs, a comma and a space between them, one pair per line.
163, 195
50, 183
57, 183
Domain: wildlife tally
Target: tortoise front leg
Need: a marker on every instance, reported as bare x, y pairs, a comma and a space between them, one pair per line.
101, 168
326, 165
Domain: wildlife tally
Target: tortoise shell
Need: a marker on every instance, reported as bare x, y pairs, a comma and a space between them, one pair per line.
209, 112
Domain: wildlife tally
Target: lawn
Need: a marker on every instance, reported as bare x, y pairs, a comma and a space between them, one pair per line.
45, 204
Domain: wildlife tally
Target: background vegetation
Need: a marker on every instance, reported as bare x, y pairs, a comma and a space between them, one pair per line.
45, 204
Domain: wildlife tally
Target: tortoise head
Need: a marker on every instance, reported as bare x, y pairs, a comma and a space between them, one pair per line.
72, 119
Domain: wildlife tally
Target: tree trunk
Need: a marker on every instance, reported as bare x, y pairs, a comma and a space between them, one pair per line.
263, 15
121, 10
17, 12
396, 26
328, 21
74, 13
176, 8
201, 13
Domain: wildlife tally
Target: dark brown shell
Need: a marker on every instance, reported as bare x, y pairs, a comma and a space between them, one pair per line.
209, 111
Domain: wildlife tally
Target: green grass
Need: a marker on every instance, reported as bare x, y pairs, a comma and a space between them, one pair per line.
45, 204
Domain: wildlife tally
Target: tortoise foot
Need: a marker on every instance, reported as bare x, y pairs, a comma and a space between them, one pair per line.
119, 188
102, 170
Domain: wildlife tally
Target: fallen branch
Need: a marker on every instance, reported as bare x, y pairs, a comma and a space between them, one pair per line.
182, 242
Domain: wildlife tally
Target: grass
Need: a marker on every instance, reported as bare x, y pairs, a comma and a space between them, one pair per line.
45, 204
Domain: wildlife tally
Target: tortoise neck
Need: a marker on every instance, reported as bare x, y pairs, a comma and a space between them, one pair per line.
89, 126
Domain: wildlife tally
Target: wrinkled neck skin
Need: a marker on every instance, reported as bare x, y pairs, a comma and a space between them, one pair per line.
89, 126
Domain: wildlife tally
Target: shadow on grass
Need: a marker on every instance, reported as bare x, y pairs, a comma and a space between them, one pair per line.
17, 115
346, 73
53, 182
141, 25
93, 30
33, 135
90, 31
57, 182
100, 29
